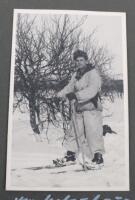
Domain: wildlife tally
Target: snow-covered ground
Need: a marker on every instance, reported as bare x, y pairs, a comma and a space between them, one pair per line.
28, 158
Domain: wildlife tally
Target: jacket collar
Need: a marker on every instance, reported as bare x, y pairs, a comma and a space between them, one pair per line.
86, 69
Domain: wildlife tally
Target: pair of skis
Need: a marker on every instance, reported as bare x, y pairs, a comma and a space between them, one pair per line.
80, 146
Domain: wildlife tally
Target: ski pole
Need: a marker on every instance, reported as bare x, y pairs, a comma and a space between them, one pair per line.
76, 130
63, 120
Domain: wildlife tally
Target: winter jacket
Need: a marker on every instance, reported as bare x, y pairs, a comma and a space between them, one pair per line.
85, 89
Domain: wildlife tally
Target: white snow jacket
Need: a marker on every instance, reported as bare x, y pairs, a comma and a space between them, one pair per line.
85, 88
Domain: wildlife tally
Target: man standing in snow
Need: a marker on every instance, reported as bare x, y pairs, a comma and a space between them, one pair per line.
83, 89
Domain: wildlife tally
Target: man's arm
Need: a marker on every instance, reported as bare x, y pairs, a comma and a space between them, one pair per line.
67, 89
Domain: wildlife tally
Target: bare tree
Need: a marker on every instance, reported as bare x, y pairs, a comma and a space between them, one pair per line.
43, 66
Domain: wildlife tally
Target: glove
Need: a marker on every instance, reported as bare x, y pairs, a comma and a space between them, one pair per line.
71, 96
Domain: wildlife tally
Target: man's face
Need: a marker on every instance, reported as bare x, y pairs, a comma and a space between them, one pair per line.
81, 62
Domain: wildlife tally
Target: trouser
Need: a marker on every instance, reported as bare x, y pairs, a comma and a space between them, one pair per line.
89, 134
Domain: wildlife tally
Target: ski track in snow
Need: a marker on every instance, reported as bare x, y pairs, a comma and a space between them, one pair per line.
29, 158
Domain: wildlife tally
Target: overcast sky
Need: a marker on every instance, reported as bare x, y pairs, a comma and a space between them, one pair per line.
109, 33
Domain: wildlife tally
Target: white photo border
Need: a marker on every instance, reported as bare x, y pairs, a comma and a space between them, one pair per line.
10, 120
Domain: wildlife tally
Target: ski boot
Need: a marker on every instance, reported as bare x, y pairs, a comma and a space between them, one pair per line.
96, 164
68, 159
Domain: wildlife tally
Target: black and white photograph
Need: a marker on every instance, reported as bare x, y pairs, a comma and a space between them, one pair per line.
68, 124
